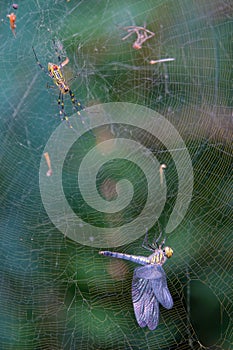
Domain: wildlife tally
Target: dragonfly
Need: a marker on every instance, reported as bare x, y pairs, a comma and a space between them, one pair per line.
149, 285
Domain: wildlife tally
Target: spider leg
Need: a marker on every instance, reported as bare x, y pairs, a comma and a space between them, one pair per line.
39, 64
62, 113
76, 104
65, 62
56, 50
51, 86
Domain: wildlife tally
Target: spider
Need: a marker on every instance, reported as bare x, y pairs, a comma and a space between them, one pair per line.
55, 72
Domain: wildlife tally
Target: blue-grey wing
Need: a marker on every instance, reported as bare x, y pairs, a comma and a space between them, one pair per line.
157, 276
146, 306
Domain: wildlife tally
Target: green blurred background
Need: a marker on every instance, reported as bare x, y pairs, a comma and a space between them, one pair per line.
56, 293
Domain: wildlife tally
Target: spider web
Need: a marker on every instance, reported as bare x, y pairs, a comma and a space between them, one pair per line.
60, 294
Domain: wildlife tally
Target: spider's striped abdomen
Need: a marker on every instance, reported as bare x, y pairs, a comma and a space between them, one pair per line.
57, 76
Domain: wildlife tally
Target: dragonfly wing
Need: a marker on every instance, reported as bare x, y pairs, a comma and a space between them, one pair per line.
161, 290
149, 272
157, 276
146, 306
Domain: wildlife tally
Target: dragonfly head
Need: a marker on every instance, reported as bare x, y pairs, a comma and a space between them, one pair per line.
168, 252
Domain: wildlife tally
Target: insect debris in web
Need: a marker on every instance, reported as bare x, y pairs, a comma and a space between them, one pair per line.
142, 33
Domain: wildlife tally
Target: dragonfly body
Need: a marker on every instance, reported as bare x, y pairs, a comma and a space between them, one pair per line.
149, 285
157, 257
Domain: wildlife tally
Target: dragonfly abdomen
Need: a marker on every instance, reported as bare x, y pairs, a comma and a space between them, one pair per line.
142, 260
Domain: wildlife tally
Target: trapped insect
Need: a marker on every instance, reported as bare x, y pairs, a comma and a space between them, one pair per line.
149, 285
55, 72
142, 33
12, 19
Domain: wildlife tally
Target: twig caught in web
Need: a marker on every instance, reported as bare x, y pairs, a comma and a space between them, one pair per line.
161, 172
47, 158
162, 60
142, 33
